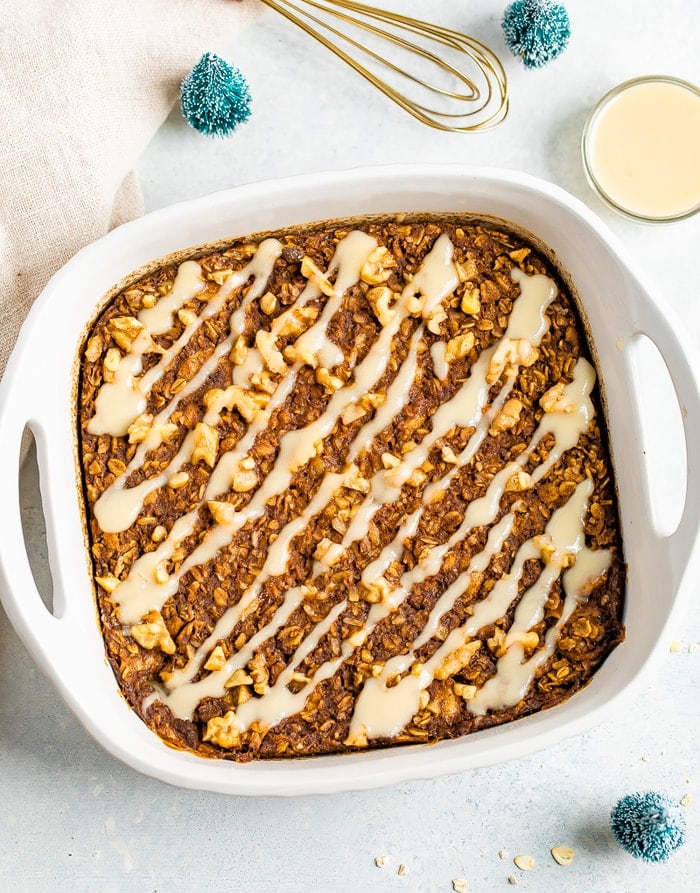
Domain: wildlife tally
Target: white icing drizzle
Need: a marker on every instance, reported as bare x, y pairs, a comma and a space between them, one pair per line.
440, 364
471, 396
117, 508
140, 592
498, 534
120, 401
382, 710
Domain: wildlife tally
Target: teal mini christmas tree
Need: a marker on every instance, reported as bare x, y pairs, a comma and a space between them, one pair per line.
649, 826
215, 97
536, 30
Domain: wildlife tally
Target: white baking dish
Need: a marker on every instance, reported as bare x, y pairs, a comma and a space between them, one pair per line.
39, 389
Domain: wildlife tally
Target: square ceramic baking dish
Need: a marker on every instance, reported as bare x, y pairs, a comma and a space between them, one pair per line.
39, 390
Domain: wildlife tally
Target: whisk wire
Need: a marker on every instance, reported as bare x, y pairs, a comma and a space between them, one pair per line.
403, 43
472, 112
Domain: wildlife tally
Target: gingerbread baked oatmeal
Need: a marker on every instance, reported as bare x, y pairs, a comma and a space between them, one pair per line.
348, 486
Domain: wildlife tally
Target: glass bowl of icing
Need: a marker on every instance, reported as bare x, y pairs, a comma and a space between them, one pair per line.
641, 149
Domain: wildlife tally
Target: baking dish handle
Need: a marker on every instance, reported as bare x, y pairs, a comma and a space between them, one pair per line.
35, 624
683, 365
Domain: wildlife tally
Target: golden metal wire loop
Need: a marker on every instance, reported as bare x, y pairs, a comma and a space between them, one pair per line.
477, 98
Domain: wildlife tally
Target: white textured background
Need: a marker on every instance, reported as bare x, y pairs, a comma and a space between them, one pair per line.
75, 819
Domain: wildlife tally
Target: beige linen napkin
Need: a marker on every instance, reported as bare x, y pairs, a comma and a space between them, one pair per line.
84, 85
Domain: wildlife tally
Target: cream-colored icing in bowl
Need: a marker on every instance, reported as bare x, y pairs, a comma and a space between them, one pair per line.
641, 148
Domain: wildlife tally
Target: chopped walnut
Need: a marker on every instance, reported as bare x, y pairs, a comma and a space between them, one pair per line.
234, 397
244, 480
221, 512
259, 673
93, 348
376, 270
295, 321
187, 316
511, 353
352, 413
373, 400
550, 554
239, 351
311, 272
471, 302
436, 317
220, 276
554, 400
389, 460
140, 427
518, 481
448, 455
266, 342
353, 480
268, 303
376, 591
110, 364
239, 677
216, 660
223, 730
145, 425
526, 638
206, 444
153, 633
508, 417
381, 298
459, 347
328, 552
124, 330
178, 480
458, 659
109, 582
330, 382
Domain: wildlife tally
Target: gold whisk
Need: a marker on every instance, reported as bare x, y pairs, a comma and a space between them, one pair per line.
474, 99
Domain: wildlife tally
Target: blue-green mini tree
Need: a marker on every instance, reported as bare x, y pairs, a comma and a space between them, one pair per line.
215, 97
649, 826
536, 30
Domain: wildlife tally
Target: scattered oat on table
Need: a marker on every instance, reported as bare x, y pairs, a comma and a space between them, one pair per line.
459, 885
512, 879
524, 863
402, 869
380, 861
563, 855
676, 646
686, 800
503, 854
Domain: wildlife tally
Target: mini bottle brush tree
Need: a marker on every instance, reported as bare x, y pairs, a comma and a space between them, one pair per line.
536, 30
648, 826
214, 97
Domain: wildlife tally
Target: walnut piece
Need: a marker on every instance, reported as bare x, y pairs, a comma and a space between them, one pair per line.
311, 272
124, 330
223, 730
153, 633
511, 353
376, 270
206, 444
381, 298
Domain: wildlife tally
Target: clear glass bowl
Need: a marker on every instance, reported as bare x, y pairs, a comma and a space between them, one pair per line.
594, 177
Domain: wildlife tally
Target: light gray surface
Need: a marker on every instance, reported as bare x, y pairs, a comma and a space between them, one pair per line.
75, 819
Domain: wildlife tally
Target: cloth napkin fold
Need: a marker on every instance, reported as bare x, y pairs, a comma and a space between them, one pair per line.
84, 86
